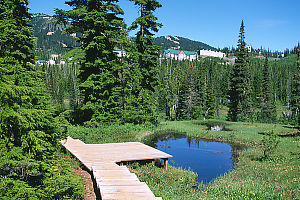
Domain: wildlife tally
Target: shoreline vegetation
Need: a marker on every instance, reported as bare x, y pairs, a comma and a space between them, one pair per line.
254, 176
100, 90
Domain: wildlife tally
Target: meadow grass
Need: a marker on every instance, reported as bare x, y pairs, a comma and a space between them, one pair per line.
254, 176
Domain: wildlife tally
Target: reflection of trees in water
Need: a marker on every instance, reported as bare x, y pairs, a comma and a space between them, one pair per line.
166, 135
194, 146
163, 136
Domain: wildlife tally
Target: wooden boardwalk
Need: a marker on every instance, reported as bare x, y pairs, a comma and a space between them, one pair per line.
116, 182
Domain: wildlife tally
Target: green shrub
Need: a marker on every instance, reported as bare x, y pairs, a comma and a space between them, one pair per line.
269, 143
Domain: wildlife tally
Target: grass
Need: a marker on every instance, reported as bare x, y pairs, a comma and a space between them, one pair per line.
110, 134
254, 176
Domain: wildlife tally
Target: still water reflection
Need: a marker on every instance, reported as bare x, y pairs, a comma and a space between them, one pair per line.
206, 158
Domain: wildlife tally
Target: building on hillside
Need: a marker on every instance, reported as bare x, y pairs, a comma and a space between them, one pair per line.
54, 56
51, 62
180, 55
73, 35
212, 53
249, 49
120, 52
41, 62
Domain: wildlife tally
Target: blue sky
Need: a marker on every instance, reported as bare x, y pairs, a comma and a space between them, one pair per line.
271, 24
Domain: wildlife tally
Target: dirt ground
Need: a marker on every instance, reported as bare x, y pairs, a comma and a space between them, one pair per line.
89, 188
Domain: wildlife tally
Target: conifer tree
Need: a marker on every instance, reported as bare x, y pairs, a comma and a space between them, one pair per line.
239, 91
24, 103
210, 99
192, 84
182, 101
102, 30
201, 99
147, 57
268, 109
296, 90
28, 132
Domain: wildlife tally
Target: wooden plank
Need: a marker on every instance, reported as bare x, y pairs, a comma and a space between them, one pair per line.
126, 189
128, 177
114, 181
129, 196
119, 182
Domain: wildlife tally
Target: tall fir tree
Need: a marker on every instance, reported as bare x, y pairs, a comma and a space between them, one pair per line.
24, 105
101, 72
147, 58
268, 108
28, 132
182, 100
296, 90
192, 95
239, 91
201, 88
210, 103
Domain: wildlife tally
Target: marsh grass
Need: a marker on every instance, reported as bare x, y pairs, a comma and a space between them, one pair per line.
254, 177
174, 183
110, 134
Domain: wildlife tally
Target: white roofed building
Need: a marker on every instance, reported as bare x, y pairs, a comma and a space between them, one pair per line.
211, 53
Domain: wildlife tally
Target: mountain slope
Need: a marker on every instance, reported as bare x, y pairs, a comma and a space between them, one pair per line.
49, 39
176, 42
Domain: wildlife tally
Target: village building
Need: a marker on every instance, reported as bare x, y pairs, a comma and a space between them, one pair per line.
180, 55
41, 62
120, 53
51, 62
54, 56
249, 49
211, 53
50, 33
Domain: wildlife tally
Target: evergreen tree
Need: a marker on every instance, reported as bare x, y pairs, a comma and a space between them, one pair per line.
28, 132
268, 108
24, 103
147, 57
239, 91
201, 90
296, 90
182, 101
192, 99
210, 103
101, 71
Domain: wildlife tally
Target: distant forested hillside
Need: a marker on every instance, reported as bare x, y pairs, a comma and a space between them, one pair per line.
49, 37
176, 42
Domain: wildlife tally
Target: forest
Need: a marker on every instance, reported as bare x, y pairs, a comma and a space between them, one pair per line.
198, 90
123, 96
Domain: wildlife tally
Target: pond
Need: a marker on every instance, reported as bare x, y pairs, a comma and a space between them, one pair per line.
206, 158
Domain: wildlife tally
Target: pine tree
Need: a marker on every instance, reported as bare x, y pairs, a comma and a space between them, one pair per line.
24, 102
147, 57
192, 84
28, 132
101, 71
210, 103
268, 109
201, 96
182, 101
239, 91
296, 90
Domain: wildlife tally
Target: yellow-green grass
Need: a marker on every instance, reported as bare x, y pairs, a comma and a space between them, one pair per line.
254, 177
